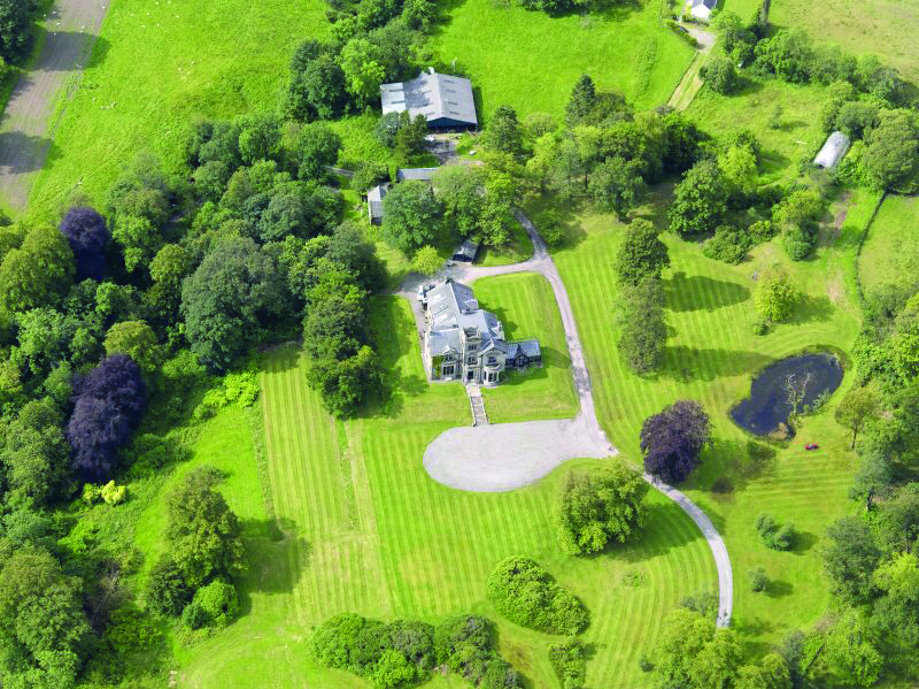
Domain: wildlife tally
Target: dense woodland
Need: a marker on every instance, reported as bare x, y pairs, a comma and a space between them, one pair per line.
146, 313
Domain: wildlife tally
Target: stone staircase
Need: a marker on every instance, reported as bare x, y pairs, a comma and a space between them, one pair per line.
477, 405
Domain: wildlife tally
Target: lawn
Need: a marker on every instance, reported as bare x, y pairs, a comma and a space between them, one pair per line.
526, 306
886, 28
892, 247
159, 67
508, 58
710, 356
367, 530
798, 136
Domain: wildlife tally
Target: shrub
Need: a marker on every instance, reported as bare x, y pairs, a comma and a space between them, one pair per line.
214, 605
776, 295
759, 582
167, 592
706, 604
775, 537
720, 74
391, 655
112, 494
569, 660
524, 593
550, 228
728, 244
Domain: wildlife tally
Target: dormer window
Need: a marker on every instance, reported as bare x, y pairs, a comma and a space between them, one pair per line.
448, 357
492, 360
472, 347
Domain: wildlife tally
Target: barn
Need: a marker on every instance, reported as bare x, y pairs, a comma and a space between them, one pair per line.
445, 101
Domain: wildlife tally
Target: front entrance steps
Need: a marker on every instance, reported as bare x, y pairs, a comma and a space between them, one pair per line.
477, 404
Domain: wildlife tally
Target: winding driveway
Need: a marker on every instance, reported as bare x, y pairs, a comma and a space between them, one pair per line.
476, 458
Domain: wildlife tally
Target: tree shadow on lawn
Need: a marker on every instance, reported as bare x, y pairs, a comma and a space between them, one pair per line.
277, 556
779, 589
686, 364
812, 309
804, 541
727, 468
700, 293
754, 628
656, 539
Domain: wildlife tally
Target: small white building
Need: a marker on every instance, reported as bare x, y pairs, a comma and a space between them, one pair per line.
375, 198
702, 9
833, 151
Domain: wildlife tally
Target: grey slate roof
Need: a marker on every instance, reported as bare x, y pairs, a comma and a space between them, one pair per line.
836, 146
453, 307
425, 174
436, 96
529, 347
710, 4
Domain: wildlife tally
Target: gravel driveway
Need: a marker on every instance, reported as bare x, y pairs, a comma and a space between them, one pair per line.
26, 132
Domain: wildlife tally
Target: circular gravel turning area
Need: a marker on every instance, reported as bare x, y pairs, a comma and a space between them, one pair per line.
499, 457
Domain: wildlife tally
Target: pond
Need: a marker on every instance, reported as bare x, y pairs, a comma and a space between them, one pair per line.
784, 386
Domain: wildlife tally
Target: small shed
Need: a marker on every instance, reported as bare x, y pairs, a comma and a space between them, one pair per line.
425, 174
446, 101
375, 203
702, 9
466, 252
833, 151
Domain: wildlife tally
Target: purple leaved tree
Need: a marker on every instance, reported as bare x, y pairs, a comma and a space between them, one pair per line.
108, 403
87, 234
96, 430
673, 440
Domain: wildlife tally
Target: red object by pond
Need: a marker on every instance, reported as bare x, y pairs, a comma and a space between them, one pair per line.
812, 446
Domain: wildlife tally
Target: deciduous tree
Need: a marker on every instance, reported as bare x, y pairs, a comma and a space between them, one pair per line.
641, 254
594, 509
204, 535
43, 629
673, 440
86, 231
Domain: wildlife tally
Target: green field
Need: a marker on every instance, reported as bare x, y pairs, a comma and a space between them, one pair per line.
798, 138
526, 306
511, 50
886, 28
159, 67
892, 247
710, 357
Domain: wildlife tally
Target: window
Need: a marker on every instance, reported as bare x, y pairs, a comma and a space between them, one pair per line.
448, 357
472, 347
492, 360
447, 371
470, 360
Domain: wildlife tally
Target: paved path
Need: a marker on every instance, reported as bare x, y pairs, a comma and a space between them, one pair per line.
502, 457
26, 130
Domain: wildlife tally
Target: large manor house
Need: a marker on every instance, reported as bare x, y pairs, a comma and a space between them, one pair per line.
463, 342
